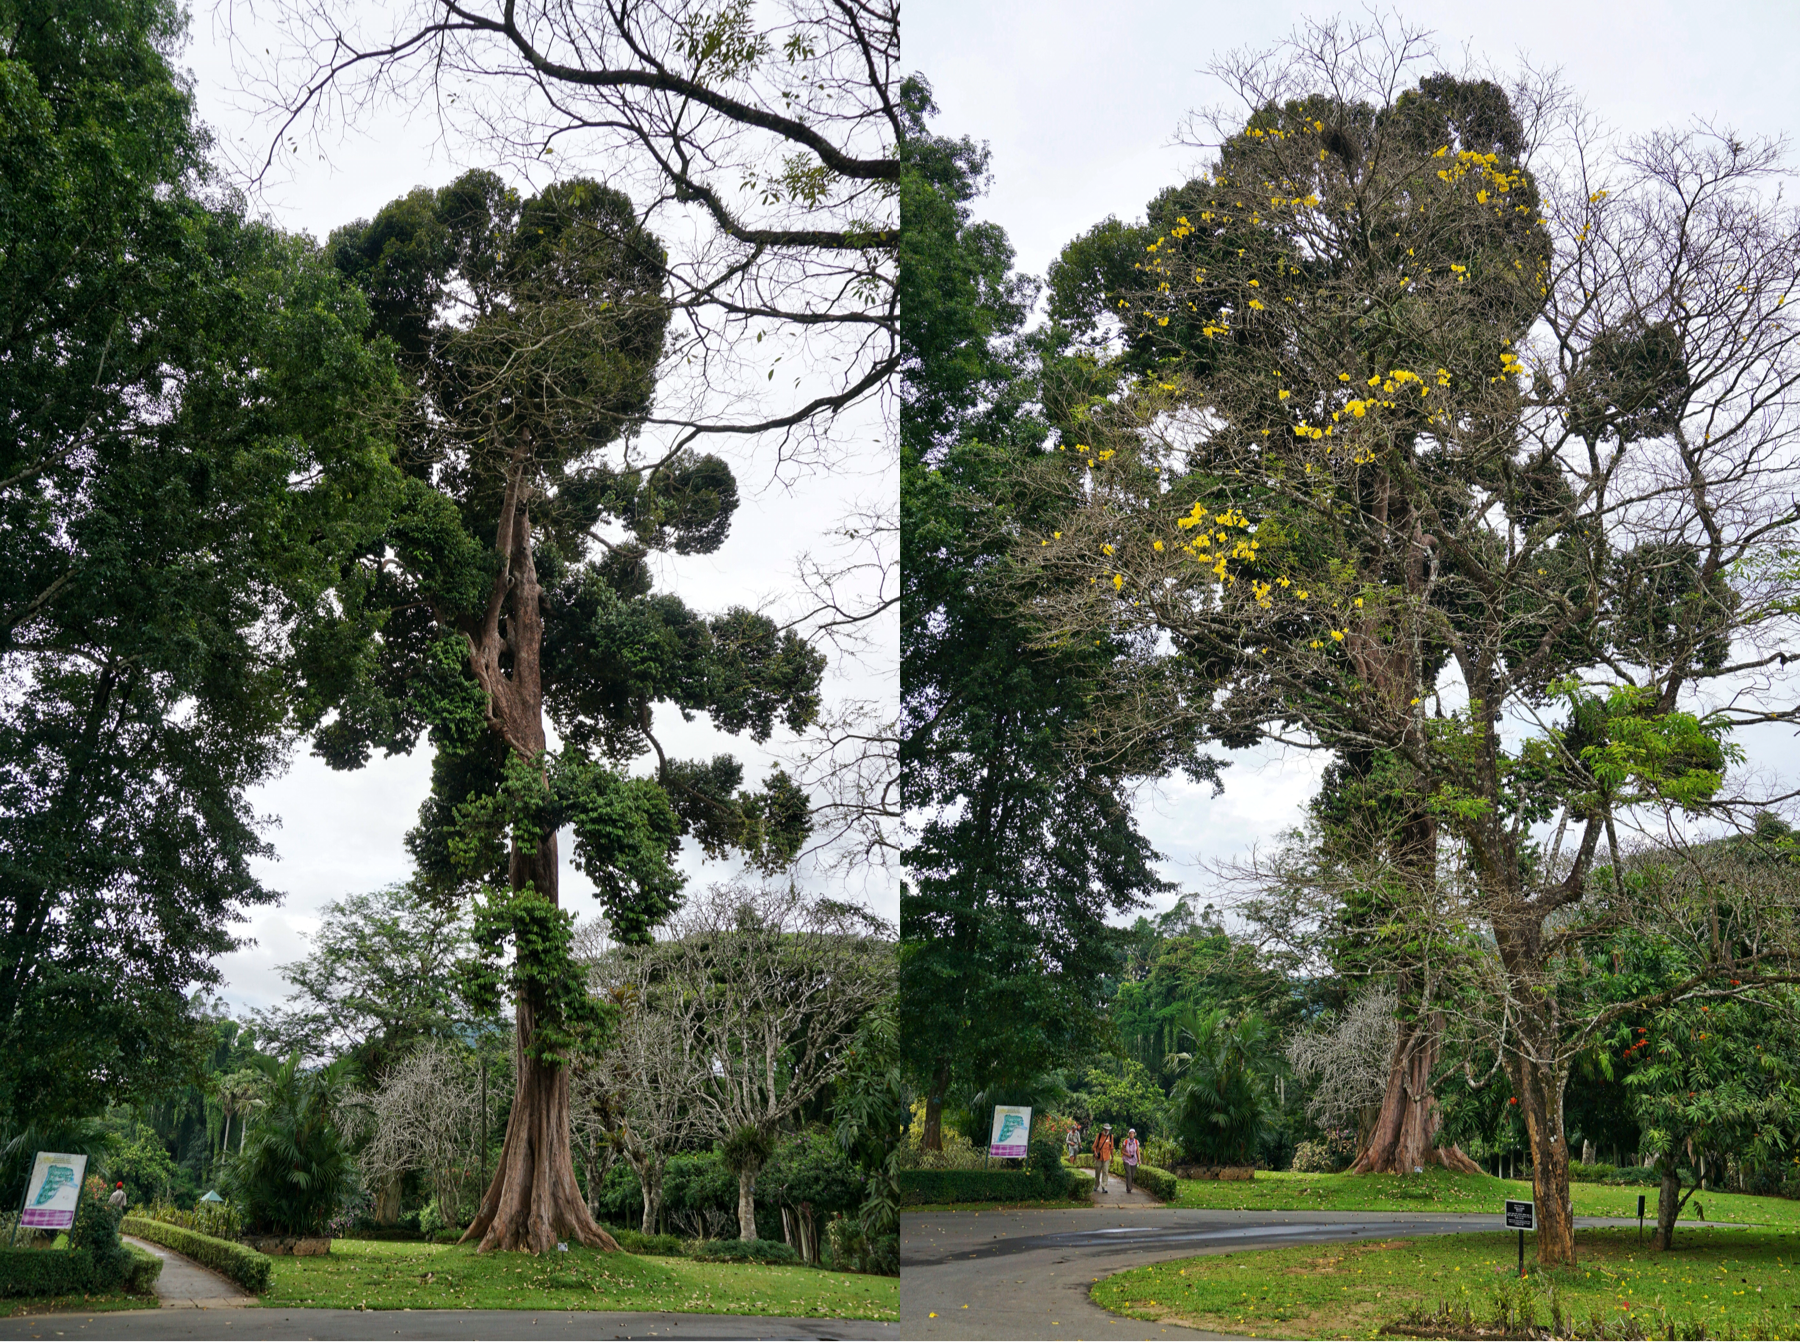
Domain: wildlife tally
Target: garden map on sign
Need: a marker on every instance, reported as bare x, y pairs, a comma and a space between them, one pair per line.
55, 1177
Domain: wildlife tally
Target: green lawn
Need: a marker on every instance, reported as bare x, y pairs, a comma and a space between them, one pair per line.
1738, 1283
395, 1274
1439, 1190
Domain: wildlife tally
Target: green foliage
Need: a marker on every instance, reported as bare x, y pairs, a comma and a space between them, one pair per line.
221, 1220
377, 979
811, 1167
45, 1272
742, 1251
934, 1186
96, 1233
632, 1240
1025, 850
141, 1162
541, 972
1223, 1098
294, 1166
193, 450
1124, 1092
242, 1264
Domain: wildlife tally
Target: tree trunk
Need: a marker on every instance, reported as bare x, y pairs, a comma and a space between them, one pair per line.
1668, 1205
387, 1201
933, 1138
650, 1176
1404, 1138
1541, 1098
533, 1199
747, 1200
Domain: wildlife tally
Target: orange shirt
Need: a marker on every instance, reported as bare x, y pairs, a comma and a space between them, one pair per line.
1103, 1146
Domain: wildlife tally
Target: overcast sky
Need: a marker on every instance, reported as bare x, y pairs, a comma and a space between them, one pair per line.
336, 833
1080, 102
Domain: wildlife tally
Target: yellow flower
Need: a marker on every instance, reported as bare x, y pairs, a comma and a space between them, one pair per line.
1338, 634
1303, 596
1256, 305
1343, 377
1157, 546
1281, 396
1118, 581
1106, 549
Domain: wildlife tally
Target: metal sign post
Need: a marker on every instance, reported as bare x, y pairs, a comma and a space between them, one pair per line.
1521, 1216
1640, 1218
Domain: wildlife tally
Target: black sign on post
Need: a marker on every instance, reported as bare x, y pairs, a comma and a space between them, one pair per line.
1520, 1216
1640, 1216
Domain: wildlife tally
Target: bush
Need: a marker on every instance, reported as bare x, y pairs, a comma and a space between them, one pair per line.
142, 1268
1156, 1182
294, 1169
242, 1264
742, 1251
46, 1271
658, 1246
221, 1220
431, 1221
1317, 1158
923, 1186
96, 1232
850, 1248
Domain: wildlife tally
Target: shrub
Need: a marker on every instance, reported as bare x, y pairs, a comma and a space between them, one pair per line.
742, 1251
922, 1186
1317, 1158
96, 1231
294, 1169
240, 1262
46, 1271
1156, 1182
431, 1220
142, 1268
850, 1248
221, 1220
658, 1246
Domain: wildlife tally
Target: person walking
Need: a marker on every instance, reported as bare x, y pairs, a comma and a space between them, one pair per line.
118, 1197
1072, 1142
1103, 1154
1129, 1154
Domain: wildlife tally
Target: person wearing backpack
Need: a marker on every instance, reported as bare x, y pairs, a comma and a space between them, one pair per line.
1129, 1154
1103, 1154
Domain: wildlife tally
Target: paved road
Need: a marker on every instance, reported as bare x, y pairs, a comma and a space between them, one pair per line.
1026, 1274
550, 1325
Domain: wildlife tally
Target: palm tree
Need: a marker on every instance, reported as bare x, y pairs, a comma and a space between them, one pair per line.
293, 1168
1226, 1075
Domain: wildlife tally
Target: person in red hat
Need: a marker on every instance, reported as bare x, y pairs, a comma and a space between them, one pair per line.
118, 1196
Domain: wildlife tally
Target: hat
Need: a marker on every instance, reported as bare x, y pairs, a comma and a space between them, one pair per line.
1106, 1127
1131, 1132
120, 1184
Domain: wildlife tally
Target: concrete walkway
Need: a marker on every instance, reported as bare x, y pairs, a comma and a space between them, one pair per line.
184, 1284
433, 1325
1117, 1199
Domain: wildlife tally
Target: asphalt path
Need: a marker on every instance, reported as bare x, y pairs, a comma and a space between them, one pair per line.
379, 1325
1026, 1274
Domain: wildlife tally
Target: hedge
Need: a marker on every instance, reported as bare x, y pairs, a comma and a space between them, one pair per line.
142, 1268
635, 1241
923, 1186
742, 1251
46, 1271
242, 1264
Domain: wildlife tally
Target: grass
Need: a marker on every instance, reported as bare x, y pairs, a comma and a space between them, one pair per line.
1439, 1190
398, 1274
1736, 1283
12, 1307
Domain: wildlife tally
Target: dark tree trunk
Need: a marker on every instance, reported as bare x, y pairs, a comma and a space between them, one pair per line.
933, 1137
1668, 1204
1404, 1138
533, 1200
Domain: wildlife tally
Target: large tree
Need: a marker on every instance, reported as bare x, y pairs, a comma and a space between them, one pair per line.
514, 591
1478, 472
1026, 846
184, 463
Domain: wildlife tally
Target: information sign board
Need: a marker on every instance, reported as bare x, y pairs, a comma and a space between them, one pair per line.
1012, 1132
53, 1191
1519, 1215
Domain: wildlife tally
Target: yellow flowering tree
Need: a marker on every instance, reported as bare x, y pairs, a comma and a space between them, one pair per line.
1423, 440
